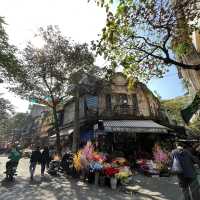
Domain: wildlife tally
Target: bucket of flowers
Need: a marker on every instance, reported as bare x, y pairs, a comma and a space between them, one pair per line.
124, 175
110, 172
95, 167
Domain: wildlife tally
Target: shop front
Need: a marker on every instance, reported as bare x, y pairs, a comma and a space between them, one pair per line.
130, 135
136, 140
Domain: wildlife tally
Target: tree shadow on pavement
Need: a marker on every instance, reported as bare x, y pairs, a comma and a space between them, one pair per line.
7, 183
158, 188
61, 188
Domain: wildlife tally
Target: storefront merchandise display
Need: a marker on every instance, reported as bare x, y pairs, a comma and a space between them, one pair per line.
99, 166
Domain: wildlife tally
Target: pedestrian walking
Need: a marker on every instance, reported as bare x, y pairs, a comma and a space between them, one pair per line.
183, 165
45, 159
34, 160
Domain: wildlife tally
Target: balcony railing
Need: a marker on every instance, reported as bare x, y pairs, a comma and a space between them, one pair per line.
124, 110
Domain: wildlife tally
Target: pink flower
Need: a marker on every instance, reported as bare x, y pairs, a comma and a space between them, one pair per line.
160, 155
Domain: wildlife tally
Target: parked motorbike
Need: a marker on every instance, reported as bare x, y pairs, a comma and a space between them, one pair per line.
10, 172
54, 167
67, 163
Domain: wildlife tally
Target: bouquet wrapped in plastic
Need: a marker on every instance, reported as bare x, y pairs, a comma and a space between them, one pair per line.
110, 171
123, 174
161, 157
120, 161
95, 167
88, 151
77, 161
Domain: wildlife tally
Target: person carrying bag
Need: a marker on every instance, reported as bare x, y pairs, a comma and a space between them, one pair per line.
183, 166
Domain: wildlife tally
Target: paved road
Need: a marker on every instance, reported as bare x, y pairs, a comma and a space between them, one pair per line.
61, 188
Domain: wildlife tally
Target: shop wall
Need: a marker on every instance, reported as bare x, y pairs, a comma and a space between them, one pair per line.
69, 111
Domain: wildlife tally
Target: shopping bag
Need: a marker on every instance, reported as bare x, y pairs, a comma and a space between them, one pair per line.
198, 175
176, 166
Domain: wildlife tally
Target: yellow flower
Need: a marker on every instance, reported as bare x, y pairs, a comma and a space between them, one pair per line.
76, 160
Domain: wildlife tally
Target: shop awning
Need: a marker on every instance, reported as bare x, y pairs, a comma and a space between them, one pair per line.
64, 132
133, 126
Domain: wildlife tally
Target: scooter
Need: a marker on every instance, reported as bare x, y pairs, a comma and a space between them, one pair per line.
67, 163
10, 172
54, 167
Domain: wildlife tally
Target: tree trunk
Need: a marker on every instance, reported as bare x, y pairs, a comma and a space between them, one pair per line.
190, 75
56, 125
76, 135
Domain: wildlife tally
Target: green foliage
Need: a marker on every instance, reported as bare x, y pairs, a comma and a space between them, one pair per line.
183, 48
46, 71
16, 122
19, 120
195, 126
8, 61
174, 107
138, 35
6, 108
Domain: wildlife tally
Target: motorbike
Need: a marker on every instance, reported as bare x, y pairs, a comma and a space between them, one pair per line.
67, 163
10, 172
61, 166
54, 167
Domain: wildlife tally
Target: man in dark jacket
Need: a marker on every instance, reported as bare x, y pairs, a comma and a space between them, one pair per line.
45, 158
187, 174
35, 158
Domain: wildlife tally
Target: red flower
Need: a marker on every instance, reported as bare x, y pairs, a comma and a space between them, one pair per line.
111, 171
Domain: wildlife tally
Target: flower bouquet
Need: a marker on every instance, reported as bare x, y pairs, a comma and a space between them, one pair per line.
161, 159
111, 171
88, 151
99, 157
124, 174
120, 161
95, 167
77, 161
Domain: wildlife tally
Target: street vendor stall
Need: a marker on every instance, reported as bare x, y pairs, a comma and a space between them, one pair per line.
99, 167
135, 140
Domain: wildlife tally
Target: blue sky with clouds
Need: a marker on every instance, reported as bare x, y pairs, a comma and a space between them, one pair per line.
168, 87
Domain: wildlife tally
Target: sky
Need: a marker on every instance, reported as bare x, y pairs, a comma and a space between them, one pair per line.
77, 19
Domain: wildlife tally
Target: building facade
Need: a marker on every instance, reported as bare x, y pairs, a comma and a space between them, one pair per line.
114, 103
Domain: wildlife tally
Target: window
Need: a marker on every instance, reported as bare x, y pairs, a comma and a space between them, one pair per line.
108, 102
92, 102
122, 99
135, 102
